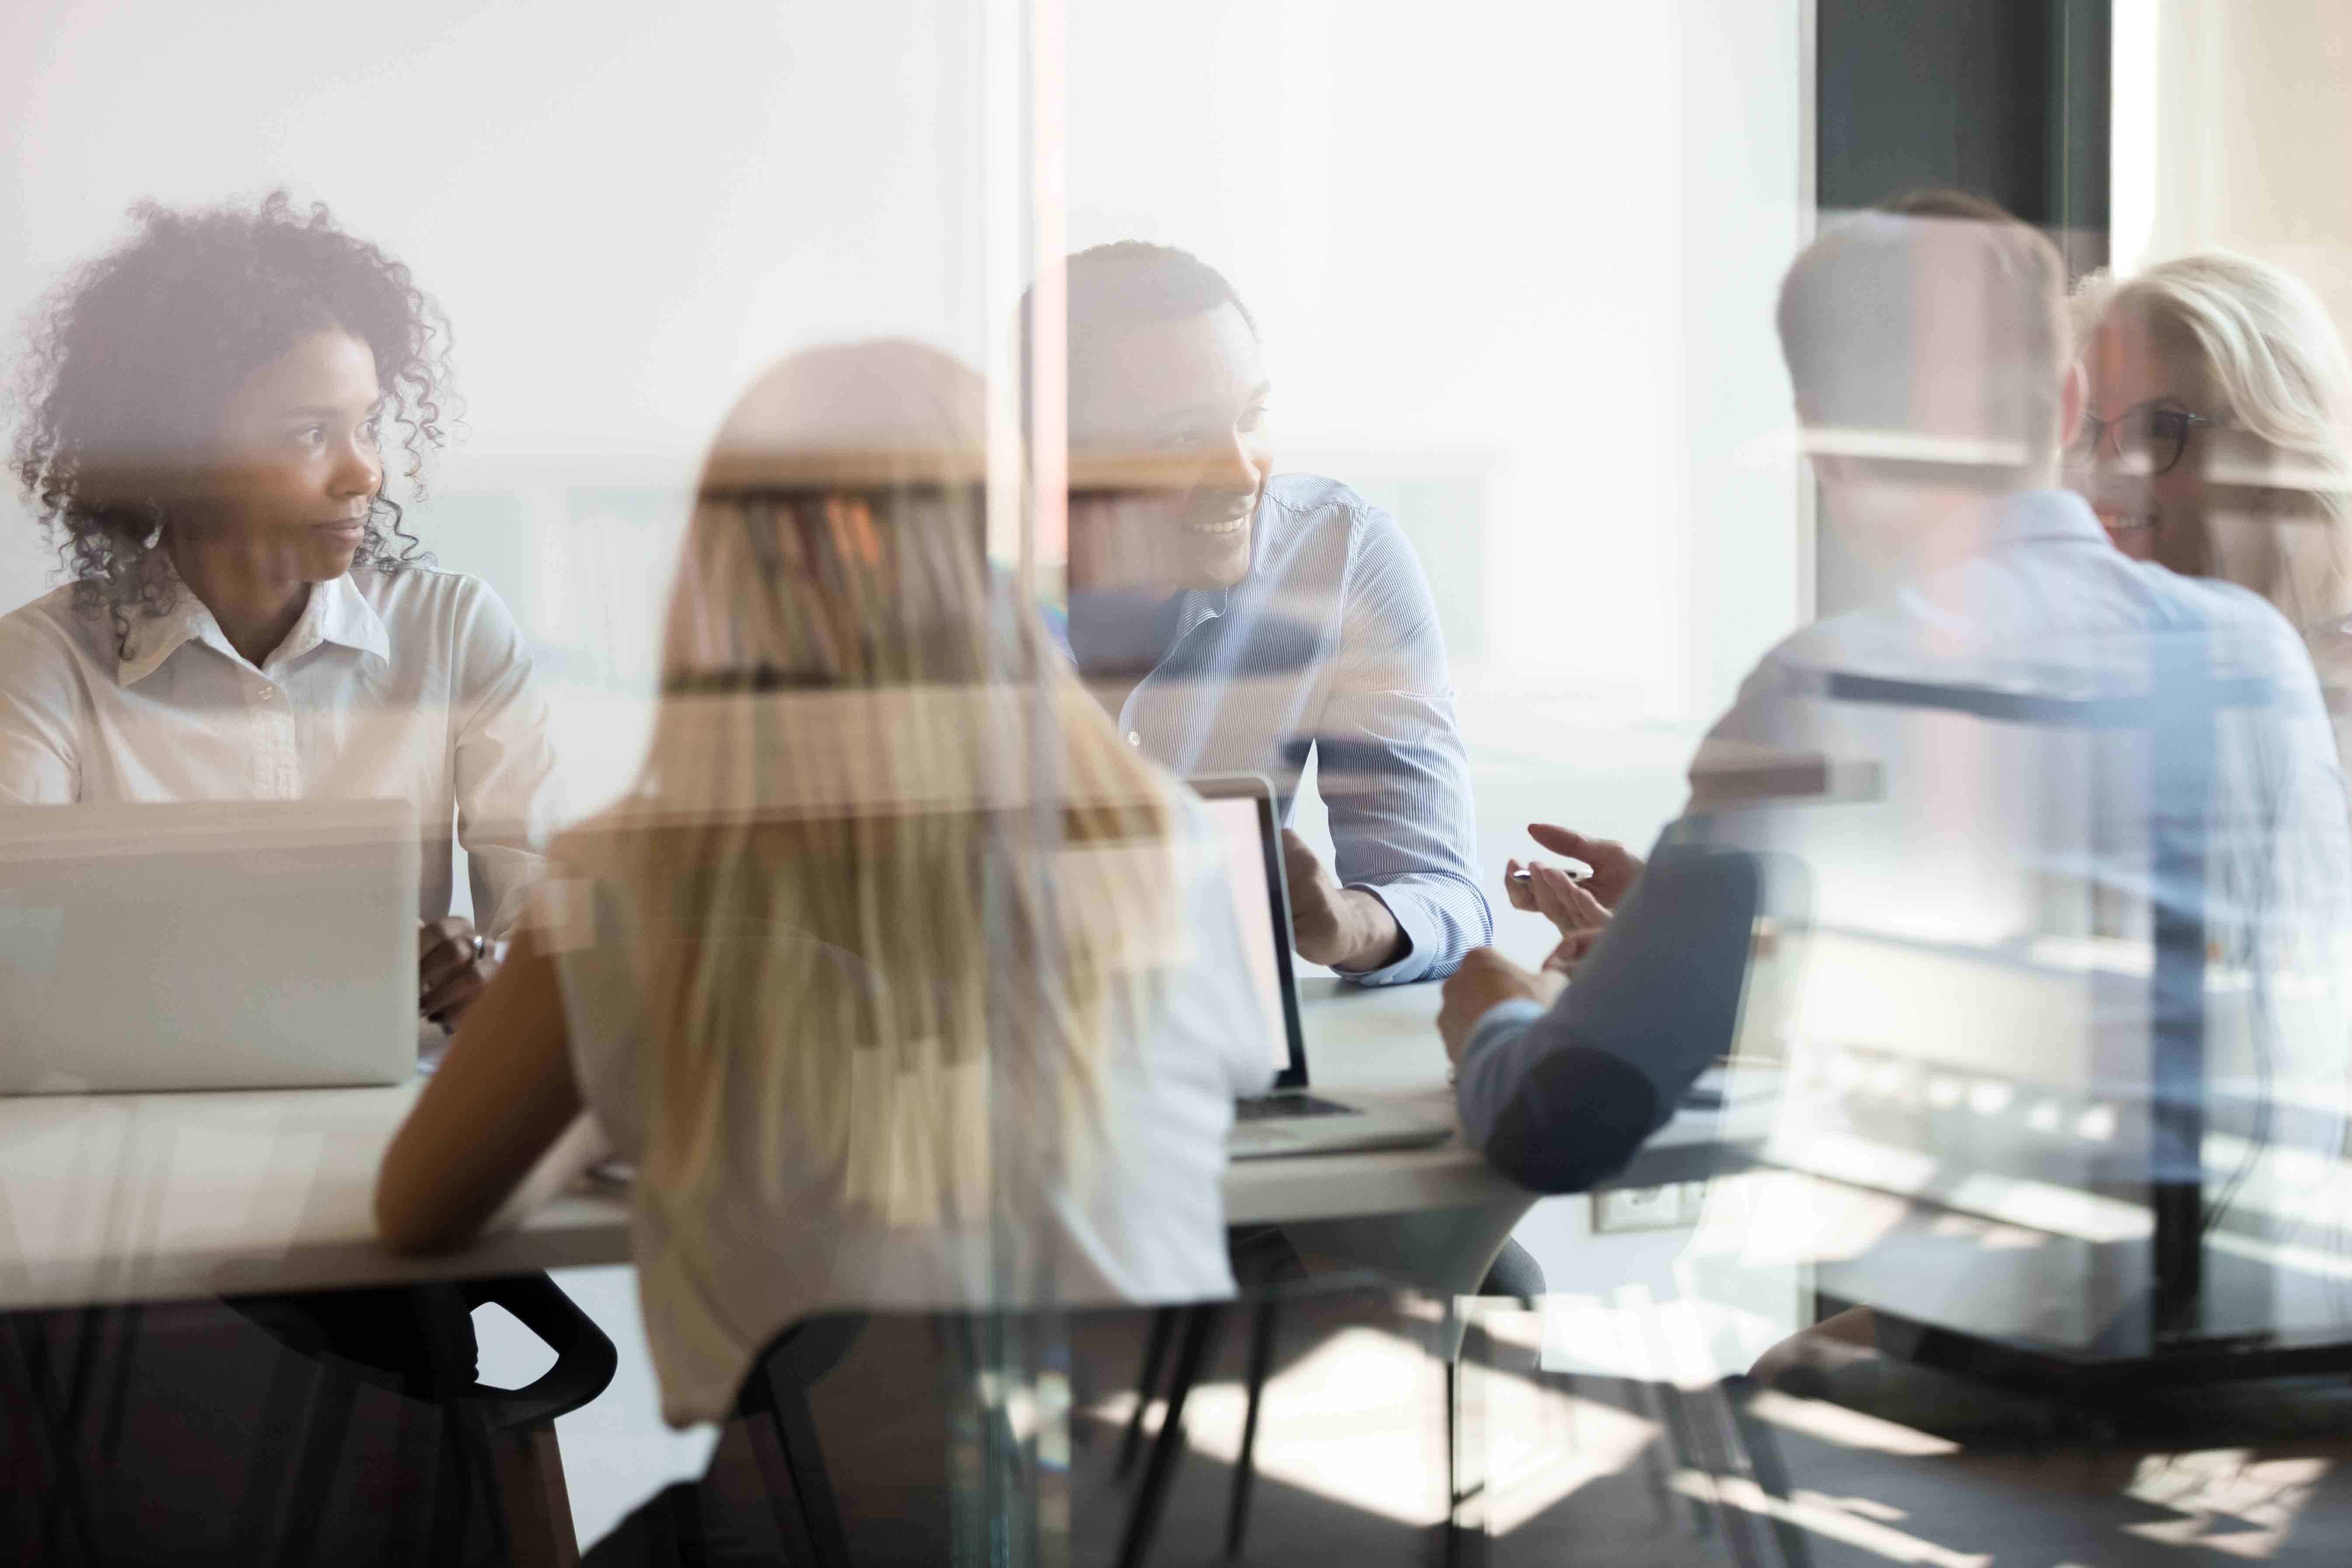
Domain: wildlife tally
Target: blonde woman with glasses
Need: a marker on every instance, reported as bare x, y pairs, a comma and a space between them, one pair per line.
2218, 439
899, 978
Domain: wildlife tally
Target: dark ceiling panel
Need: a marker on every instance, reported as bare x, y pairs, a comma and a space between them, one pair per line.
2003, 98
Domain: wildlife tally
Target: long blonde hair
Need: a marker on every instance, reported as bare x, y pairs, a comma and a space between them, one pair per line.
893, 873
2281, 370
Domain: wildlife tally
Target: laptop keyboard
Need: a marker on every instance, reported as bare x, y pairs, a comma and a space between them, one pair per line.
1283, 1106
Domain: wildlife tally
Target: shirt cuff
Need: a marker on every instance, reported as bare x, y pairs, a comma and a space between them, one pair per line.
1498, 1021
1496, 1027
1420, 928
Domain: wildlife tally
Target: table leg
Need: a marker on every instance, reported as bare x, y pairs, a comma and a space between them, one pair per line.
1448, 1253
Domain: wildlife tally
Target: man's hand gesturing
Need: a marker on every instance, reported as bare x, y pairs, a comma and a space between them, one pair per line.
1615, 868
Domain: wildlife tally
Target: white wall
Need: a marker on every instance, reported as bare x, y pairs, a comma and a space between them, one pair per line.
1541, 239
2233, 131
625, 213
1521, 259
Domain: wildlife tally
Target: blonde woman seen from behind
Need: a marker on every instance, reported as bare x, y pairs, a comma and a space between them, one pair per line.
903, 981
2219, 439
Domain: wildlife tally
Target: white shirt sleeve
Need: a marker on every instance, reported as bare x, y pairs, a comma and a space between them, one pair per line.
502, 763
38, 716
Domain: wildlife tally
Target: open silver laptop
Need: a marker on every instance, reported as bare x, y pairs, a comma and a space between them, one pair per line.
1290, 1120
215, 945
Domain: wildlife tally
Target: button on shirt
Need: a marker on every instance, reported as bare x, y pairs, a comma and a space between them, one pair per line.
411, 684
1329, 645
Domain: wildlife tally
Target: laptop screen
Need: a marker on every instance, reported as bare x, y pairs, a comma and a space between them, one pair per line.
1242, 810
1236, 822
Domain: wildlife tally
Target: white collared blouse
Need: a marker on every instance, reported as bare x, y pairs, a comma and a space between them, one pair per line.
412, 684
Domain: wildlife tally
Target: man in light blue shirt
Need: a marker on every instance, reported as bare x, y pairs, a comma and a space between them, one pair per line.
1236, 620
2067, 745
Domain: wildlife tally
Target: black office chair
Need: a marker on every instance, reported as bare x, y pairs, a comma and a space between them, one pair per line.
100, 1405
870, 1449
417, 1342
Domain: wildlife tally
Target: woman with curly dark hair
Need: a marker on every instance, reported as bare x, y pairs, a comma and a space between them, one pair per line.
205, 414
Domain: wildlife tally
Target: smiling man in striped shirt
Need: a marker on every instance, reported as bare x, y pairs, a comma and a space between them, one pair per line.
1234, 619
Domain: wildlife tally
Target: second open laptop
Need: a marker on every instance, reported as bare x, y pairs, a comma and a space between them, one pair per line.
214, 945
1292, 1120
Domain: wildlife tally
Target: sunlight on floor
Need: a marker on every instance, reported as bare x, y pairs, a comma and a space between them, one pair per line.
1353, 1422
2231, 1502
1358, 1420
1847, 1428
1838, 1519
1542, 1445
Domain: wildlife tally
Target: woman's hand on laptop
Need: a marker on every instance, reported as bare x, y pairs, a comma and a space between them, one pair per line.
453, 964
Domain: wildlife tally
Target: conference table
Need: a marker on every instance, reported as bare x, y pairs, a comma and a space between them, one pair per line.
126, 1197
120, 1198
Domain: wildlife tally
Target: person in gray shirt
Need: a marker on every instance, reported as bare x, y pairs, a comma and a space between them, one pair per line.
2068, 743
1234, 619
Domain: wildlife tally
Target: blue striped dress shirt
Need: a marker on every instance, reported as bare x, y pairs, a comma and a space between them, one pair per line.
1329, 647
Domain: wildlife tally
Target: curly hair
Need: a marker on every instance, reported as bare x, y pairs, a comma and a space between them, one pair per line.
130, 359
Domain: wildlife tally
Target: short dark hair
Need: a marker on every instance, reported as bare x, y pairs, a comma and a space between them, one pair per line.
1941, 201
1939, 315
132, 358
1133, 283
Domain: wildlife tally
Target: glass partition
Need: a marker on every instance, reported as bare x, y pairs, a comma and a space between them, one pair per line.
663, 675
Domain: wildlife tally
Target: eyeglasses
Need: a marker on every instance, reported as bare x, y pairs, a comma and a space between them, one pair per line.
2149, 441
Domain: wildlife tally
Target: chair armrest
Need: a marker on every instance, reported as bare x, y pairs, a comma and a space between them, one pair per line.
584, 1358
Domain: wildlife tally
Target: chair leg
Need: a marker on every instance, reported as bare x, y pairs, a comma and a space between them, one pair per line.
1464, 1543
784, 1445
284, 1440
128, 1323
78, 1402
784, 1501
1155, 1359
1676, 1418
1261, 1358
1192, 1355
334, 1400
820, 1511
66, 1532
1753, 1540
537, 1507
1763, 1450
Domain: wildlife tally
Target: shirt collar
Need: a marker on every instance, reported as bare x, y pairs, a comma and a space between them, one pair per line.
340, 613
152, 639
337, 613
1999, 523
2032, 515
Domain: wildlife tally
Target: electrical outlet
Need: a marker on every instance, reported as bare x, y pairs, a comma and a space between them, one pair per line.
1617, 1209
